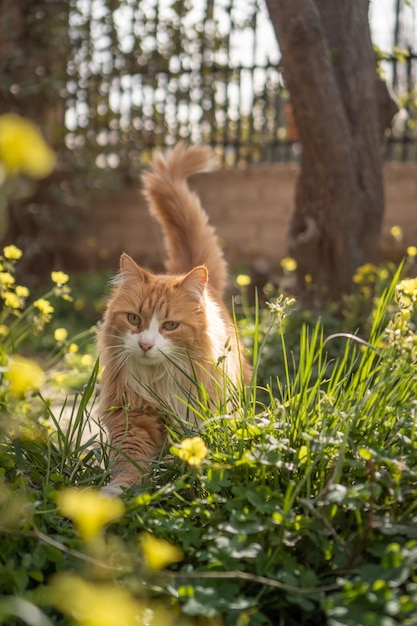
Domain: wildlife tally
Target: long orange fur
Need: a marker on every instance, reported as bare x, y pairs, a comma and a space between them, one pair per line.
160, 331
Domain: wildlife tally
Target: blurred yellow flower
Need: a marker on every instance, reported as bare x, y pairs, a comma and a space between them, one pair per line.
89, 510
243, 280
90, 604
397, 233
12, 301
159, 553
368, 268
22, 147
191, 450
13, 253
412, 251
59, 278
383, 273
87, 360
24, 375
365, 273
59, 378
22, 291
72, 348
3, 330
43, 306
288, 264
60, 334
6, 279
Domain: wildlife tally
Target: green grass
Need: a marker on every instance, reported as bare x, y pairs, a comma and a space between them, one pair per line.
304, 510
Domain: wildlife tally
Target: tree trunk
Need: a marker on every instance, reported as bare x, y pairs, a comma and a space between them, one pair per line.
330, 70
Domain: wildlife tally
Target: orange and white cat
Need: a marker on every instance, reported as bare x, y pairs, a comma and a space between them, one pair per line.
160, 333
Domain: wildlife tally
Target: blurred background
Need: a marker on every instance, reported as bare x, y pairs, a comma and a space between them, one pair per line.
107, 81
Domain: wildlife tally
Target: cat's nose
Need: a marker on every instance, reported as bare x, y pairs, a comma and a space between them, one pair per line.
145, 346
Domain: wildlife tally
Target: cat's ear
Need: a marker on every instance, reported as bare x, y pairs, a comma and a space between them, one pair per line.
195, 282
129, 270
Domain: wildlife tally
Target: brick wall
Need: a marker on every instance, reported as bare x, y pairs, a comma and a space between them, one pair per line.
250, 208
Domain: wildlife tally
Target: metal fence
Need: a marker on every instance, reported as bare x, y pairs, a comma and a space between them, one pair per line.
401, 138
145, 74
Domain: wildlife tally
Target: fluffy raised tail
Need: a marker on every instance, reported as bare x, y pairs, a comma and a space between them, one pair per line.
189, 239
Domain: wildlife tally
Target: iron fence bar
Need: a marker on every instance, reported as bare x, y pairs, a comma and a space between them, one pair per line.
164, 78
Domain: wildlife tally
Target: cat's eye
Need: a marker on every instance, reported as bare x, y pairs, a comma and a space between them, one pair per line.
133, 319
170, 325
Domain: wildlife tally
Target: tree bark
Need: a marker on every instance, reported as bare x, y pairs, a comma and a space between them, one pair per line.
330, 70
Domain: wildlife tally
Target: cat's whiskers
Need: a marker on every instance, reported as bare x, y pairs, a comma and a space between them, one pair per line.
177, 361
112, 345
120, 364
119, 358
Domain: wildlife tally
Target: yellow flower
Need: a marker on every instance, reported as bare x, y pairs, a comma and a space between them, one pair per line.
22, 291
89, 510
191, 450
23, 375
22, 147
12, 301
87, 360
159, 553
365, 273
43, 306
72, 348
59, 278
408, 286
412, 251
288, 264
6, 279
3, 330
368, 268
60, 334
383, 273
308, 279
90, 604
13, 253
243, 280
59, 378
397, 233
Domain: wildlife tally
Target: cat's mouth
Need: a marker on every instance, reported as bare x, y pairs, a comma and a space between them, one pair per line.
146, 358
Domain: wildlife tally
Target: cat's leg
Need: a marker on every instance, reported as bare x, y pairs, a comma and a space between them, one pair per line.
135, 440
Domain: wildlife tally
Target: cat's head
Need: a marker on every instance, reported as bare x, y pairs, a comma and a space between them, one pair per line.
151, 318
